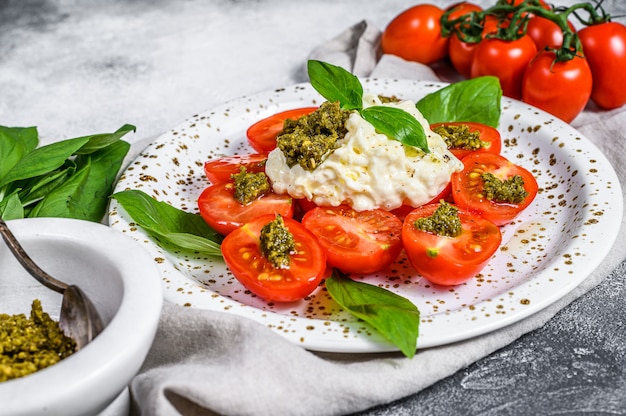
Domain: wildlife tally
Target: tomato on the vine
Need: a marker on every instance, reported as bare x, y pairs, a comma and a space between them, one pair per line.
219, 208
468, 187
450, 260
505, 59
462, 53
604, 46
262, 134
560, 88
243, 256
359, 242
489, 135
415, 35
220, 170
545, 33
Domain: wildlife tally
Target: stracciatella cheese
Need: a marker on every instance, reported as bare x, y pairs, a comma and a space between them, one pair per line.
369, 170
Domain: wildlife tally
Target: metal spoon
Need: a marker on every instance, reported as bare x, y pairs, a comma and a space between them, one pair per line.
79, 318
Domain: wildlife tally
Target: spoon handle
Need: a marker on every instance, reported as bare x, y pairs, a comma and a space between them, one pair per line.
25, 260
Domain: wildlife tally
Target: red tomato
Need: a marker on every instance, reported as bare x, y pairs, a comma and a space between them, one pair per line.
359, 242
262, 134
488, 134
403, 211
450, 260
604, 46
462, 8
415, 35
560, 88
506, 60
224, 213
462, 53
243, 256
220, 170
545, 33
468, 192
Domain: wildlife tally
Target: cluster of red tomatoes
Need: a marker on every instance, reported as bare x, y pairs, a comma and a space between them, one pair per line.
532, 48
356, 242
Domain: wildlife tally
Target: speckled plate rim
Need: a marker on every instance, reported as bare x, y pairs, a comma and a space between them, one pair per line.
577, 222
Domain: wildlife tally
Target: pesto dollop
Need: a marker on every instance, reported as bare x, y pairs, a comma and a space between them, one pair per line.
444, 221
249, 186
29, 344
277, 243
308, 140
460, 137
509, 191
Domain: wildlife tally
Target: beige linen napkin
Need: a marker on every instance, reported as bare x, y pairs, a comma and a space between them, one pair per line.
205, 362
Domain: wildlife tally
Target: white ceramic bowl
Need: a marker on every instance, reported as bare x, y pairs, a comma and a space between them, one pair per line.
122, 280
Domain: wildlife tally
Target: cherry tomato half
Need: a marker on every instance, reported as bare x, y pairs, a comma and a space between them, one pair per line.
560, 88
506, 60
415, 35
604, 46
262, 134
403, 211
488, 134
220, 209
242, 253
468, 190
450, 260
220, 170
360, 242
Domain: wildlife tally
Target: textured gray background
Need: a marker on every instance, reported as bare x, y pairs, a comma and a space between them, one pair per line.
74, 68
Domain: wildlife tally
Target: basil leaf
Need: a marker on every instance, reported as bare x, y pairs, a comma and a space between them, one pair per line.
15, 143
100, 141
397, 124
61, 202
43, 159
393, 316
169, 224
11, 207
336, 84
477, 99
35, 189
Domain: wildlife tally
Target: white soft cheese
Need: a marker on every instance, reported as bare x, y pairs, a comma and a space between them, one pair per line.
369, 170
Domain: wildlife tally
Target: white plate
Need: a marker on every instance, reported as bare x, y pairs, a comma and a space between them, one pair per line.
553, 246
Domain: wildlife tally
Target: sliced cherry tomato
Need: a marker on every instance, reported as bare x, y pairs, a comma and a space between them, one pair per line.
604, 46
488, 134
506, 60
468, 190
224, 213
415, 35
560, 88
262, 134
403, 211
220, 170
450, 260
358, 242
243, 256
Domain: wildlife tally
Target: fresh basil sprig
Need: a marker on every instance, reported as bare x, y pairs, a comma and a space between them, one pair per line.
71, 178
170, 225
393, 316
336, 84
477, 99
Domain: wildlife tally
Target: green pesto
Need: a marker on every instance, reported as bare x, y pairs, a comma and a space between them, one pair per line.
249, 186
29, 344
509, 191
460, 137
277, 243
308, 140
385, 99
444, 221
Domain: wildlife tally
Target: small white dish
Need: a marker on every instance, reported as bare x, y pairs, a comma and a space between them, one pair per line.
122, 280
